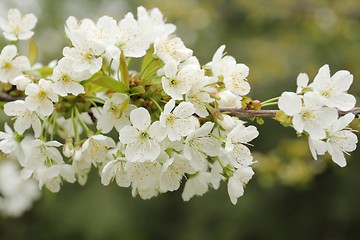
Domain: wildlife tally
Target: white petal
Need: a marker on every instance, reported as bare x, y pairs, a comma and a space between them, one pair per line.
302, 81
336, 155
140, 118
169, 106
128, 134
342, 122
184, 109
322, 77
290, 103
157, 132
235, 189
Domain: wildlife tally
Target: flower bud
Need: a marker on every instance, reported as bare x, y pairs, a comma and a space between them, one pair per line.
217, 114
21, 82
229, 100
68, 148
215, 95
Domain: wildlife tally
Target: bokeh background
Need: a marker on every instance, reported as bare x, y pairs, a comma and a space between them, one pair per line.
291, 196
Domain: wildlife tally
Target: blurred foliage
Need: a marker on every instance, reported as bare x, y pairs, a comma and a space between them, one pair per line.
287, 198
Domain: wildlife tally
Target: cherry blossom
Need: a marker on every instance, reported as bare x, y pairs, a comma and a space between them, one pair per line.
18, 26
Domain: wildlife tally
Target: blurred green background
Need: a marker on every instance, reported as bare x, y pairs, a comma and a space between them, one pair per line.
290, 197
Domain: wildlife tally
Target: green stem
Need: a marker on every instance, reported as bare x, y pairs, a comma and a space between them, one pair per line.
75, 124
157, 104
81, 121
270, 100
269, 104
53, 126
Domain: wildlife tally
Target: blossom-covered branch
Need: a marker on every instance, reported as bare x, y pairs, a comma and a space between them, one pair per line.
175, 119
248, 113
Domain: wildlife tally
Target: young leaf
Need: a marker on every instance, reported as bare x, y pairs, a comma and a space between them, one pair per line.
33, 51
124, 70
107, 82
150, 65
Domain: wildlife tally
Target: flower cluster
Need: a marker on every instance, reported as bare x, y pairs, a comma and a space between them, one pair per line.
313, 110
150, 128
151, 123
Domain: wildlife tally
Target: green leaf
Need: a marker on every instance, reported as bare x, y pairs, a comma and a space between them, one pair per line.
45, 71
124, 70
33, 52
107, 82
124, 105
147, 58
150, 65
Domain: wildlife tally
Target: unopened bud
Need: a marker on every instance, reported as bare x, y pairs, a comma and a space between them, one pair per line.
77, 151
217, 114
215, 95
256, 104
68, 148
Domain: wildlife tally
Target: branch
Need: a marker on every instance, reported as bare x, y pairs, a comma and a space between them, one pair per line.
5, 97
236, 112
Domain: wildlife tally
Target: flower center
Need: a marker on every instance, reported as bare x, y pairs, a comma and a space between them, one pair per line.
42, 94
7, 66
173, 82
66, 78
115, 110
144, 135
170, 120
89, 56
17, 29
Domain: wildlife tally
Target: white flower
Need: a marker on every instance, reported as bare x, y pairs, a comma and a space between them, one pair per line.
43, 153
333, 89
237, 182
87, 26
115, 113
235, 81
239, 154
11, 65
40, 97
171, 49
8, 143
177, 82
67, 80
196, 185
85, 53
106, 32
178, 122
131, 40
317, 147
17, 194
115, 169
216, 174
81, 165
52, 176
96, 147
142, 139
18, 27
232, 74
308, 113
199, 145
145, 178
152, 25
341, 140
174, 169
199, 93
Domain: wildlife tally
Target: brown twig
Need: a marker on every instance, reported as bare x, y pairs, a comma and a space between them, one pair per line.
236, 112
5, 97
